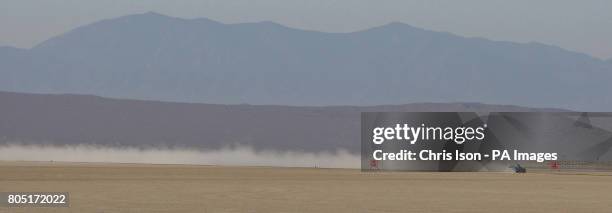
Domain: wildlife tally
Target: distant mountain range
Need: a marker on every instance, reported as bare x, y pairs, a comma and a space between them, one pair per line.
156, 57
81, 119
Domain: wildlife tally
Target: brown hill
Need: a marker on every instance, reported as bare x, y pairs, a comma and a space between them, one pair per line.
82, 119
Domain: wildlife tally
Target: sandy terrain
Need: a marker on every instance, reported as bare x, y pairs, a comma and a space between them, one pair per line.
179, 188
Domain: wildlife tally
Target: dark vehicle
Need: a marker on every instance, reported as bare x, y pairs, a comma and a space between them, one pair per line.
518, 168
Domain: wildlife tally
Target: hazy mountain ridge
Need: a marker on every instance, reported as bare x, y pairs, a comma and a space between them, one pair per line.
152, 56
84, 119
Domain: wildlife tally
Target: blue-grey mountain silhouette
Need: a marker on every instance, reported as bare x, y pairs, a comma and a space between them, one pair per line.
156, 57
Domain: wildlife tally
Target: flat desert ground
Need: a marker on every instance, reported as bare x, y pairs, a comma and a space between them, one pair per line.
96, 187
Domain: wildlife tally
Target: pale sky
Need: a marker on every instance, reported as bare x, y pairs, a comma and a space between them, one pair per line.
579, 25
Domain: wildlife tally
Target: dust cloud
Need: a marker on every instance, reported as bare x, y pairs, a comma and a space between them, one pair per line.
229, 156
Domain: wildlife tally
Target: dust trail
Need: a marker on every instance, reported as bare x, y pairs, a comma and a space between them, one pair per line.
237, 156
